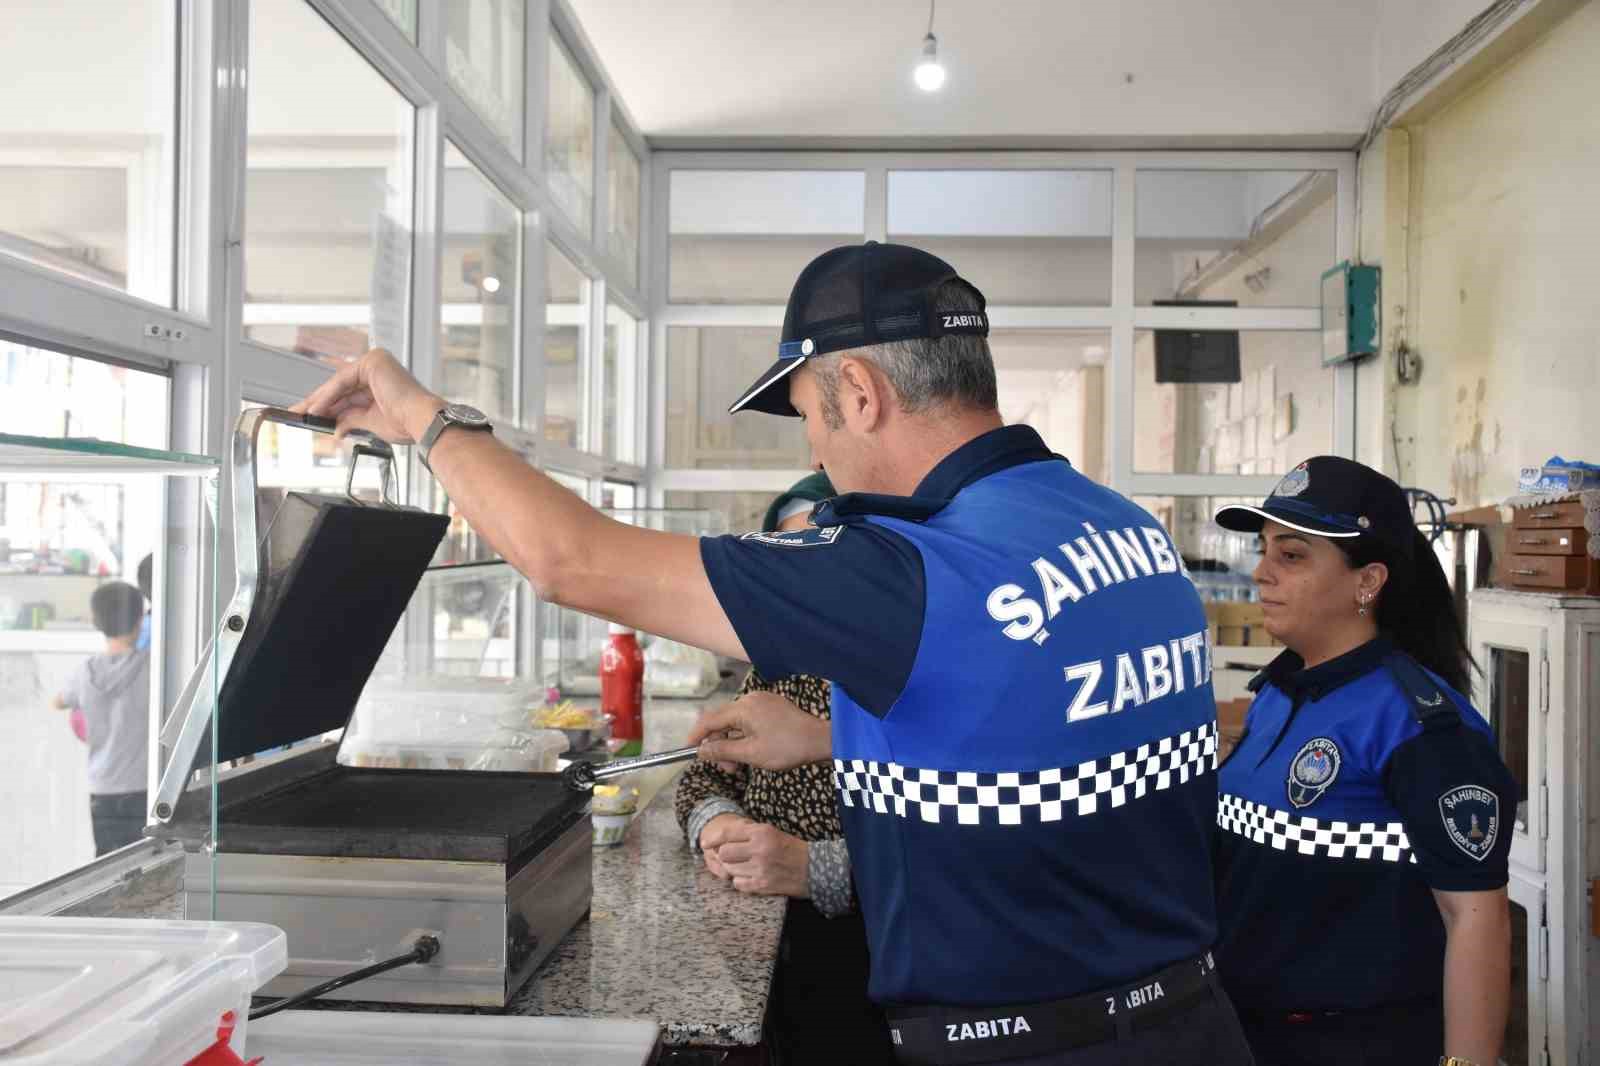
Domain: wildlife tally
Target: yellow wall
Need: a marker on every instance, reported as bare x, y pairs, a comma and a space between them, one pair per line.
1499, 230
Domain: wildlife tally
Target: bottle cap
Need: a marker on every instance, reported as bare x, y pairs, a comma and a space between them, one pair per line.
618, 627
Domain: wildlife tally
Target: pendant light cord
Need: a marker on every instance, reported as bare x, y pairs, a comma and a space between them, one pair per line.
931, 6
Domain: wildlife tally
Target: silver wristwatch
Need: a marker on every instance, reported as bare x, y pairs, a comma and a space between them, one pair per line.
451, 414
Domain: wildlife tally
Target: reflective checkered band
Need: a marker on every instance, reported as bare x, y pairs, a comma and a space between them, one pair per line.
1261, 824
965, 797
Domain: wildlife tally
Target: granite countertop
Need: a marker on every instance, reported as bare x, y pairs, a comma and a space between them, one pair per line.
664, 939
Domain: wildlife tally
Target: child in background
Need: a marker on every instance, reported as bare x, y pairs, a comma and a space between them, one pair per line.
113, 691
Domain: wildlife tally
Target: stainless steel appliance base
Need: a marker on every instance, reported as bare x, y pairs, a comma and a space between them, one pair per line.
495, 924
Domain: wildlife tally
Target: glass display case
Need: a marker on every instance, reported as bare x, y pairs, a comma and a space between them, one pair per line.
570, 642
107, 584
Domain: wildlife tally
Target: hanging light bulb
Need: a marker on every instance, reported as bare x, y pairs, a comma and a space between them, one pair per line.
929, 74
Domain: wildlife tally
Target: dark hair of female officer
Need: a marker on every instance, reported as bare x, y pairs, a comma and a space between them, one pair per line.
1415, 608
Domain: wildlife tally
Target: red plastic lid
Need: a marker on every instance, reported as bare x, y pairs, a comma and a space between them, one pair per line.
221, 1053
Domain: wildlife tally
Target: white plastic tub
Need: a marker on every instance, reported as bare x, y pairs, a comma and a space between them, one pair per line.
127, 992
340, 1038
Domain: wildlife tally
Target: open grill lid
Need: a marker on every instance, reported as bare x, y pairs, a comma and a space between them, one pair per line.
317, 599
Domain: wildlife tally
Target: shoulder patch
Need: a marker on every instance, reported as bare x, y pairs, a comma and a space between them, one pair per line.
1428, 701
810, 537
1471, 816
1313, 771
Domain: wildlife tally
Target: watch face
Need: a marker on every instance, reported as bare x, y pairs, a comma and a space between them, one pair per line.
464, 415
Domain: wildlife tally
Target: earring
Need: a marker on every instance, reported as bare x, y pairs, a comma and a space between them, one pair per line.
1362, 608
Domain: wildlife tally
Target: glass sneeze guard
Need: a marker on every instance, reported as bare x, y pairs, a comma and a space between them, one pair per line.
94, 531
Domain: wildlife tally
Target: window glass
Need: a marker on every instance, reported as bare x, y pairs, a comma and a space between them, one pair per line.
569, 138
566, 333
623, 235
1220, 560
707, 368
48, 394
1261, 238
479, 289
61, 540
484, 52
1257, 409
619, 496
88, 141
1023, 237
402, 13
742, 511
1056, 381
743, 236
578, 485
619, 411
1508, 714
327, 247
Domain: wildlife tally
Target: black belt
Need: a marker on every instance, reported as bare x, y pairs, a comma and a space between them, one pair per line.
955, 1036
1400, 1012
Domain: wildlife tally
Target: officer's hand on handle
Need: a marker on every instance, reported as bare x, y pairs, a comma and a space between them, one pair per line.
764, 730
377, 394
717, 832
765, 861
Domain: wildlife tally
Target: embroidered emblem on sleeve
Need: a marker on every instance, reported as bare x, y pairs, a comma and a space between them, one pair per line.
1471, 816
810, 537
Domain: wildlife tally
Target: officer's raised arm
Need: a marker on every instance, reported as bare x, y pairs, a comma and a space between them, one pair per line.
573, 555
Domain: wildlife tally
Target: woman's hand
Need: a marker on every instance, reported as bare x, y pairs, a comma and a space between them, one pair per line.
715, 832
763, 860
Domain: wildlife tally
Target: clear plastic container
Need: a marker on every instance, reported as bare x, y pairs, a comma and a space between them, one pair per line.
521, 751
432, 707
127, 992
341, 1038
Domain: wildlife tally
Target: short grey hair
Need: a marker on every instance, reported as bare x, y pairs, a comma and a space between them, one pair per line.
927, 372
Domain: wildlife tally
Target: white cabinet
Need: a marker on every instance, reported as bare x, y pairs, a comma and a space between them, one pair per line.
1539, 657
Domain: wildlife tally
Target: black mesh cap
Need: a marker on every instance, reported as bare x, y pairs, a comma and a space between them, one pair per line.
858, 295
1329, 496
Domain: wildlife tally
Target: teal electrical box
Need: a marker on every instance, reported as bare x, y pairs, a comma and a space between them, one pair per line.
1349, 313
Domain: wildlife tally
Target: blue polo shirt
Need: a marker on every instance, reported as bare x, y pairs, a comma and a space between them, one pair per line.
1023, 727
1359, 787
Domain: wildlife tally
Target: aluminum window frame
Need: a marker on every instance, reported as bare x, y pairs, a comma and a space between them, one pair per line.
200, 340
1122, 318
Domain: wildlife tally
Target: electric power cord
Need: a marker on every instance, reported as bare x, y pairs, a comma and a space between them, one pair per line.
423, 951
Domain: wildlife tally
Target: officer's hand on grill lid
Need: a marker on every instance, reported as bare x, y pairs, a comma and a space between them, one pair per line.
374, 393
764, 730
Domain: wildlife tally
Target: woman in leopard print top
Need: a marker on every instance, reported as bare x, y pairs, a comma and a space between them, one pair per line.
819, 1010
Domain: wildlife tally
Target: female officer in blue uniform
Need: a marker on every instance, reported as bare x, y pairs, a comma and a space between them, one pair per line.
1363, 816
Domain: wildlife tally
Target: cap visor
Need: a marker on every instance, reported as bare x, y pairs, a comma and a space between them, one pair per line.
764, 396
1242, 518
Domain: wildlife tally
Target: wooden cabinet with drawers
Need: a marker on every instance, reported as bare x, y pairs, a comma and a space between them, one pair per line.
1548, 548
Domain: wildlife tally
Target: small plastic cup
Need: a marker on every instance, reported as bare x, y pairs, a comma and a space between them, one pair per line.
609, 829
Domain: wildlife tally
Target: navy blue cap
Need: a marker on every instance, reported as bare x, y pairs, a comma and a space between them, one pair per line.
1329, 496
858, 295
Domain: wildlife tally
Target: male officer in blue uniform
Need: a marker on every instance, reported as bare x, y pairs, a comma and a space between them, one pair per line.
1023, 727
